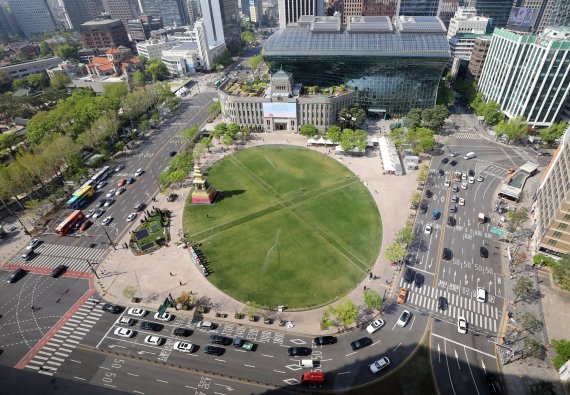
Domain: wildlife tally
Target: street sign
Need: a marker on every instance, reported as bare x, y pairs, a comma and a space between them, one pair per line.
497, 231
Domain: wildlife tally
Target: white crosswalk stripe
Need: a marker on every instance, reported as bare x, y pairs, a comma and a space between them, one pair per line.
480, 315
61, 345
52, 255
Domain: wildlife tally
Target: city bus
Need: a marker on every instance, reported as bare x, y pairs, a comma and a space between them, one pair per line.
101, 175
67, 224
81, 196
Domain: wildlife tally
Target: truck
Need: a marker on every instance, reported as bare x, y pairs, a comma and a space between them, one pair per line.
457, 176
481, 218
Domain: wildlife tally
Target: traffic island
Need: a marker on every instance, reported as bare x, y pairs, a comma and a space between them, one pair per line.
153, 232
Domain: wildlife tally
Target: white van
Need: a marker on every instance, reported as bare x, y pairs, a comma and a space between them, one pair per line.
481, 295
307, 363
469, 155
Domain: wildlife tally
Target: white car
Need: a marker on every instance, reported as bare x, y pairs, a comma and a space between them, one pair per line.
463, 176
111, 193
480, 178
131, 217
34, 243
107, 221
118, 168
126, 321
379, 365
183, 346
374, 326
453, 154
404, 318
461, 201
119, 191
108, 202
153, 340
136, 312
446, 183
89, 213
124, 332
163, 317
471, 180
428, 229
101, 184
461, 325
138, 172
464, 185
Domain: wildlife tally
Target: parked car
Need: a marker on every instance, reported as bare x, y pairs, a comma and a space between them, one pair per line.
183, 346
108, 202
483, 252
119, 191
299, 351
461, 201
324, 340
429, 193
379, 365
89, 213
163, 317
98, 213
126, 321
222, 340
183, 332
154, 340
451, 220
112, 308
139, 206
444, 160
374, 326
402, 295
122, 182
453, 162
101, 184
409, 275
480, 178
136, 312
131, 217
428, 228
360, 343
119, 168
124, 332
243, 344
208, 349
100, 203
58, 271
404, 318
471, 180
151, 326
463, 185
130, 180
447, 254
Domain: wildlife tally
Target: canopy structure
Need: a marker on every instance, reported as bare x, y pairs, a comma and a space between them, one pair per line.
390, 157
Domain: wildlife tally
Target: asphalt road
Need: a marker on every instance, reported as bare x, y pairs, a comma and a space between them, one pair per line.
82, 250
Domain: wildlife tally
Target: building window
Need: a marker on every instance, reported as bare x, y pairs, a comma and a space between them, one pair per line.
567, 217
551, 242
557, 234
562, 226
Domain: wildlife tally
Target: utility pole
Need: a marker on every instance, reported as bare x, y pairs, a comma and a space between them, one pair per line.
110, 241
156, 179
91, 267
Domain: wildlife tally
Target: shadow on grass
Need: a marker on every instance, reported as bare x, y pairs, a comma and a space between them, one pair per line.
228, 194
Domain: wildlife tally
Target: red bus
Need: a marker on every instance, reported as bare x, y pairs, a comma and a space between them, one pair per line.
68, 223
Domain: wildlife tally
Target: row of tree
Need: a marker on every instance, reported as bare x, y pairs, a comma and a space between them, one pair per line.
398, 249
431, 118
346, 312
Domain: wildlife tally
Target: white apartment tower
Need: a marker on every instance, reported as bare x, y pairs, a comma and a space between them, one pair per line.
212, 20
528, 75
291, 10
464, 28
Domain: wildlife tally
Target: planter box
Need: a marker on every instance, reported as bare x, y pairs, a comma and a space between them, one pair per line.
239, 316
268, 321
253, 318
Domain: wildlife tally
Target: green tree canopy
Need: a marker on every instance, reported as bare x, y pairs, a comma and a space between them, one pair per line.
347, 140
492, 113
395, 252
309, 130
232, 129
360, 139
562, 348
139, 79
255, 61
533, 348
67, 52
554, 131
248, 37
45, 49
414, 118
405, 236
60, 81
346, 312
515, 129
372, 299
334, 133
523, 288
157, 70
516, 218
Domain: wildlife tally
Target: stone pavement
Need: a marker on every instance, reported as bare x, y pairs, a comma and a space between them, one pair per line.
170, 269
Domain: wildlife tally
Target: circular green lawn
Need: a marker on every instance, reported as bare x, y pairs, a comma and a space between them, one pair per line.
290, 227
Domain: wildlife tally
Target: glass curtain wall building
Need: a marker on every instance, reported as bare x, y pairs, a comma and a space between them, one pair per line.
391, 66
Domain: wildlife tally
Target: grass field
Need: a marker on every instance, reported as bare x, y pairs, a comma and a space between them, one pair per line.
290, 227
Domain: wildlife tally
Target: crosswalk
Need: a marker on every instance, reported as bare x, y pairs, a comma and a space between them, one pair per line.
465, 135
51, 255
479, 315
48, 360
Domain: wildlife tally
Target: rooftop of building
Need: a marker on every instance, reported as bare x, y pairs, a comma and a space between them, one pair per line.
420, 36
260, 88
101, 22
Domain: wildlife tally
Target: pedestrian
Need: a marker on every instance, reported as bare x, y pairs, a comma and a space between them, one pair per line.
180, 282
365, 287
171, 274
370, 276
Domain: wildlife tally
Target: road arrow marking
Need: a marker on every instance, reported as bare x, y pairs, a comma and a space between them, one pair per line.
438, 353
145, 352
227, 387
457, 357
116, 345
484, 368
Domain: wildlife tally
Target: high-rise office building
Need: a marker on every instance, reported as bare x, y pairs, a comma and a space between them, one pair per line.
229, 12
379, 7
139, 29
478, 55
8, 26
392, 65
32, 16
560, 14
498, 10
124, 10
351, 8
528, 75
172, 12
255, 11
464, 28
104, 33
552, 207
419, 7
77, 12
291, 10
212, 20
530, 16
244, 7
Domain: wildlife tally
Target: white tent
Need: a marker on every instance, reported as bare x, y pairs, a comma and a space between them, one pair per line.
390, 158
321, 140
312, 141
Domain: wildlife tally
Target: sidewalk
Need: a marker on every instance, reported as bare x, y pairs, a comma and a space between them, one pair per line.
170, 269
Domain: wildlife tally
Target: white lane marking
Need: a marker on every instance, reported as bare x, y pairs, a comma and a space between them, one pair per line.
340, 373
109, 385
132, 374
219, 360
463, 345
79, 378
352, 353
278, 371
102, 367
268, 356
448, 371
398, 346
376, 342
249, 366
138, 392
162, 381
192, 388
470, 371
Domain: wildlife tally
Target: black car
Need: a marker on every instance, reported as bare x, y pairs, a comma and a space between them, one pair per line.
208, 349
483, 252
139, 206
441, 172
423, 207
151, 326
217, 339
429, 193
453, 162
299, 351
112, 308
471, 172
324, 340
183, 332
444, 160
58, 271
442, 303
172, 153
16, 275
360, 343
447, 255
451, 220
409, 275
419, 280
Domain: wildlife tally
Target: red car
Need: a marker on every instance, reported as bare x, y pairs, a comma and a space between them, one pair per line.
85, 225
122, 182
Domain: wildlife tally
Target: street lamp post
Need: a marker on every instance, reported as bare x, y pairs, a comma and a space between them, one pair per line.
91, 267
110, 241
156, 179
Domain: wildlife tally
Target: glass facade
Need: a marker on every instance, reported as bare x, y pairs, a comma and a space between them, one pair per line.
419, 7
499, 10
389, 71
